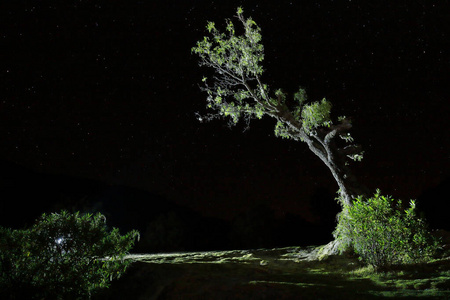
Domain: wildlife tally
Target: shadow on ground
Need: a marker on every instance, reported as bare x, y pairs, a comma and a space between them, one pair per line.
286, 273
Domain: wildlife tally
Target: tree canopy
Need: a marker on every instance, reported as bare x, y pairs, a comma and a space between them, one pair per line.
236, 91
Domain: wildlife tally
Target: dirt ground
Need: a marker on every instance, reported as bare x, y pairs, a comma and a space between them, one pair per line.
286, 273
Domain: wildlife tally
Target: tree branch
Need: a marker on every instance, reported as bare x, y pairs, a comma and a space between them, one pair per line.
349, 150
344, 126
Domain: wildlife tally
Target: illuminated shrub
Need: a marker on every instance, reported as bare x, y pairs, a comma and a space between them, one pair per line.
382, 233
63, 256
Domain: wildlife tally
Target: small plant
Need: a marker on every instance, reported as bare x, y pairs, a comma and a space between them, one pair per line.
382, 233
63, 256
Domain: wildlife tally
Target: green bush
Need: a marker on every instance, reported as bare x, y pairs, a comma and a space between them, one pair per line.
382, 233
63, 256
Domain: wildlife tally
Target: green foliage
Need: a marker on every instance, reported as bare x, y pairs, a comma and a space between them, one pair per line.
300, 99
237, 59
382, 233
239, 54
301, 96
63, 256
281, 130
316, 114
357, 156
238, 92
281, 96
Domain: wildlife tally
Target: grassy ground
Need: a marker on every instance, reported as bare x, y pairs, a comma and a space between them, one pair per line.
287, 273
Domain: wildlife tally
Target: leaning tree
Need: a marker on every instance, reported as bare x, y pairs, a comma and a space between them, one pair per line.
238, 92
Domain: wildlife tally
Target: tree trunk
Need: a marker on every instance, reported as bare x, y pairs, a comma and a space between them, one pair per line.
322, 143
347, 183
349, 188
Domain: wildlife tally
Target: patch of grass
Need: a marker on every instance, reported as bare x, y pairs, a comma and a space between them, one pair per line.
363, 271
430, 280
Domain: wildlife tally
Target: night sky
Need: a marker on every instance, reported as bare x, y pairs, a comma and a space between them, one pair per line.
108, 91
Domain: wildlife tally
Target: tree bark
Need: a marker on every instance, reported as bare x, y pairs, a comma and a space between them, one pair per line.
322, 143
335, 159
348, 186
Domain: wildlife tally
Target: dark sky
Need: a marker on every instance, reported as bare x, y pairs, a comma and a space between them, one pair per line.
108, 90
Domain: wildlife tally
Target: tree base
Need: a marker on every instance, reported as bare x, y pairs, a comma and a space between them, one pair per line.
332, 248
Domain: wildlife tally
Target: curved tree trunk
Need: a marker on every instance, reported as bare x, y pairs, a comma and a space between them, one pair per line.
323, 145
349, 188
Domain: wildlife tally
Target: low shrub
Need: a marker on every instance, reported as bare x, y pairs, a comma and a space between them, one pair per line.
63, 256
382, 233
